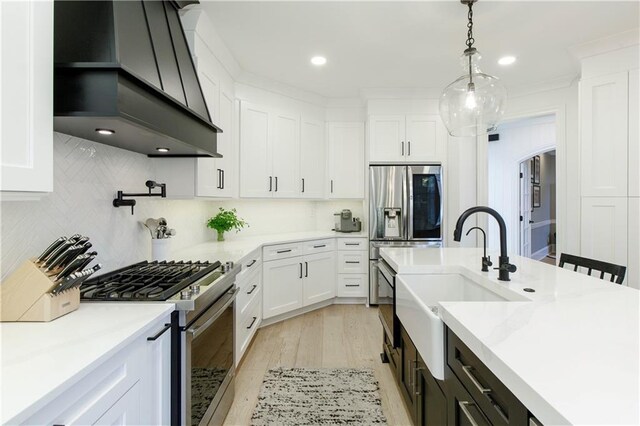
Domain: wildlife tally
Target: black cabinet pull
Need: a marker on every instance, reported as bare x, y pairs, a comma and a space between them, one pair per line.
352, 285
300, 270
409, 148
320, 246
306, 269
351, 244
252, 288
402, 148
160, 333
222, 179
219, 186
351, 261
253, 321
283, 251
302, 184
270, 183
276, 183
253, 262
332, 186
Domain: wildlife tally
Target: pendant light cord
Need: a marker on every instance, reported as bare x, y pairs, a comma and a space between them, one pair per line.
470, 41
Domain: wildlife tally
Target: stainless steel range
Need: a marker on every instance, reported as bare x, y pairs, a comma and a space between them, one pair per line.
202, 387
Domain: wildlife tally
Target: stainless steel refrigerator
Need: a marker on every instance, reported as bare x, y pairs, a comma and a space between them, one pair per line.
405, 209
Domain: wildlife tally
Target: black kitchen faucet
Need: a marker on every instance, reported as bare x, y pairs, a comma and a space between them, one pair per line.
504, 267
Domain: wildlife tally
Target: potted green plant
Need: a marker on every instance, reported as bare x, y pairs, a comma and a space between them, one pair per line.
224, 221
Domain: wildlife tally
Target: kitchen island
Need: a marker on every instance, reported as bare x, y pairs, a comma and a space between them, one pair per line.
567, 347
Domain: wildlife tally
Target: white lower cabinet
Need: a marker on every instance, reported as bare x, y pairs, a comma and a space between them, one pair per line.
352, 285
130, 388
353, 267
604, 229
248, 307
319, 281
297, 281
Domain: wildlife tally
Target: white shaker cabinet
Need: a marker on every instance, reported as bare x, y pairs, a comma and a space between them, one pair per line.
319, 281
633, 269
604, 229
387, 138
346, 160
269, 152
604, 135
399, 138
215, 177
313, 156
26, 93
255, 151
282, 286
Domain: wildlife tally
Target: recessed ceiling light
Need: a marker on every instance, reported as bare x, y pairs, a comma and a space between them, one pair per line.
162, 149
318, 60
105, 131
507, 60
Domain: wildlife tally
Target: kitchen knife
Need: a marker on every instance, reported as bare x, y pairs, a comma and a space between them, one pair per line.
73, 266
92, 255
59, 260
55, 253
75, 279
50, 249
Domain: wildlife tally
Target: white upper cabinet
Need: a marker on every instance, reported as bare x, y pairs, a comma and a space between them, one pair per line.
634, 133
387, 136
286, 155
255, 151
426, 138
26, 90
346, 160
604, 229
604, 135
313, 159
403, 138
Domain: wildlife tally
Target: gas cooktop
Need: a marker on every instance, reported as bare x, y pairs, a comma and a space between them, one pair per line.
147, 281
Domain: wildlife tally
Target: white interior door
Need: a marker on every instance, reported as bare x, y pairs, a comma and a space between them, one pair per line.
525, 208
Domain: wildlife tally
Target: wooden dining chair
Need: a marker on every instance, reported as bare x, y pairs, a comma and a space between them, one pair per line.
617, 272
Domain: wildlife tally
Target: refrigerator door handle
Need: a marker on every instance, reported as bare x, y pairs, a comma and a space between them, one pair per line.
408, 203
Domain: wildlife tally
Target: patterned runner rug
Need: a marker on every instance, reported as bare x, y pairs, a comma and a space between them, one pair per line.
325, 396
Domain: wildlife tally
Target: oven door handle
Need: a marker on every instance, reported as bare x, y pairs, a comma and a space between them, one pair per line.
388, 275
195, 330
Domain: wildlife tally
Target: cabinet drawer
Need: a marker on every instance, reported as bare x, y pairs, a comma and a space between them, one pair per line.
352, 244
319, 246
352, 285
281, 251
493, 398
351, 262
247, 326
248, 289
249, 264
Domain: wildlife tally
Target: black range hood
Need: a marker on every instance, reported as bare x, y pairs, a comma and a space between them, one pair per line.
125, 67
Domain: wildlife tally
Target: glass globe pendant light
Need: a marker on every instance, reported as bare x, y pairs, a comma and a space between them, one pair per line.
474, 103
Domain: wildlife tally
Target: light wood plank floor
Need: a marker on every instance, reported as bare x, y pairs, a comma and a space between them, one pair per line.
335, 336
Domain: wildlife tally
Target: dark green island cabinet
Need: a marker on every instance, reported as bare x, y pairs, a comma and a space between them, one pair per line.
470, 394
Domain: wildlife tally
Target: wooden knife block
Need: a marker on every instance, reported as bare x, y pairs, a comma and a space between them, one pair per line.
24, 296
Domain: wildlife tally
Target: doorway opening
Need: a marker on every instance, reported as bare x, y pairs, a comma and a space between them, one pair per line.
522, 185
538, 207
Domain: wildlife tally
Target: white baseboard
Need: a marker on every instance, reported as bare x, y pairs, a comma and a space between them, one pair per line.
542, 253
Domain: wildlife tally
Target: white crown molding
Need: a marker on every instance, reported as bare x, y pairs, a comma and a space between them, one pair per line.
543, 86
196, 20
401, 93
606, 44
269, 85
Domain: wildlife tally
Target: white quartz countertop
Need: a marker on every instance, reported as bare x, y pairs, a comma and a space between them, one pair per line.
571, 353
39, 361
236, 249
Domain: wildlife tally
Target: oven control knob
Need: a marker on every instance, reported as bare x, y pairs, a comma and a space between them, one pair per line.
195, 289
227, 266
185, 294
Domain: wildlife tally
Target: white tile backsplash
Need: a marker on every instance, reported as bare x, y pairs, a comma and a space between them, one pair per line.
86, 178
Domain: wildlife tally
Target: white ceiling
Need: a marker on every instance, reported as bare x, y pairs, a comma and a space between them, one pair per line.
410, 44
